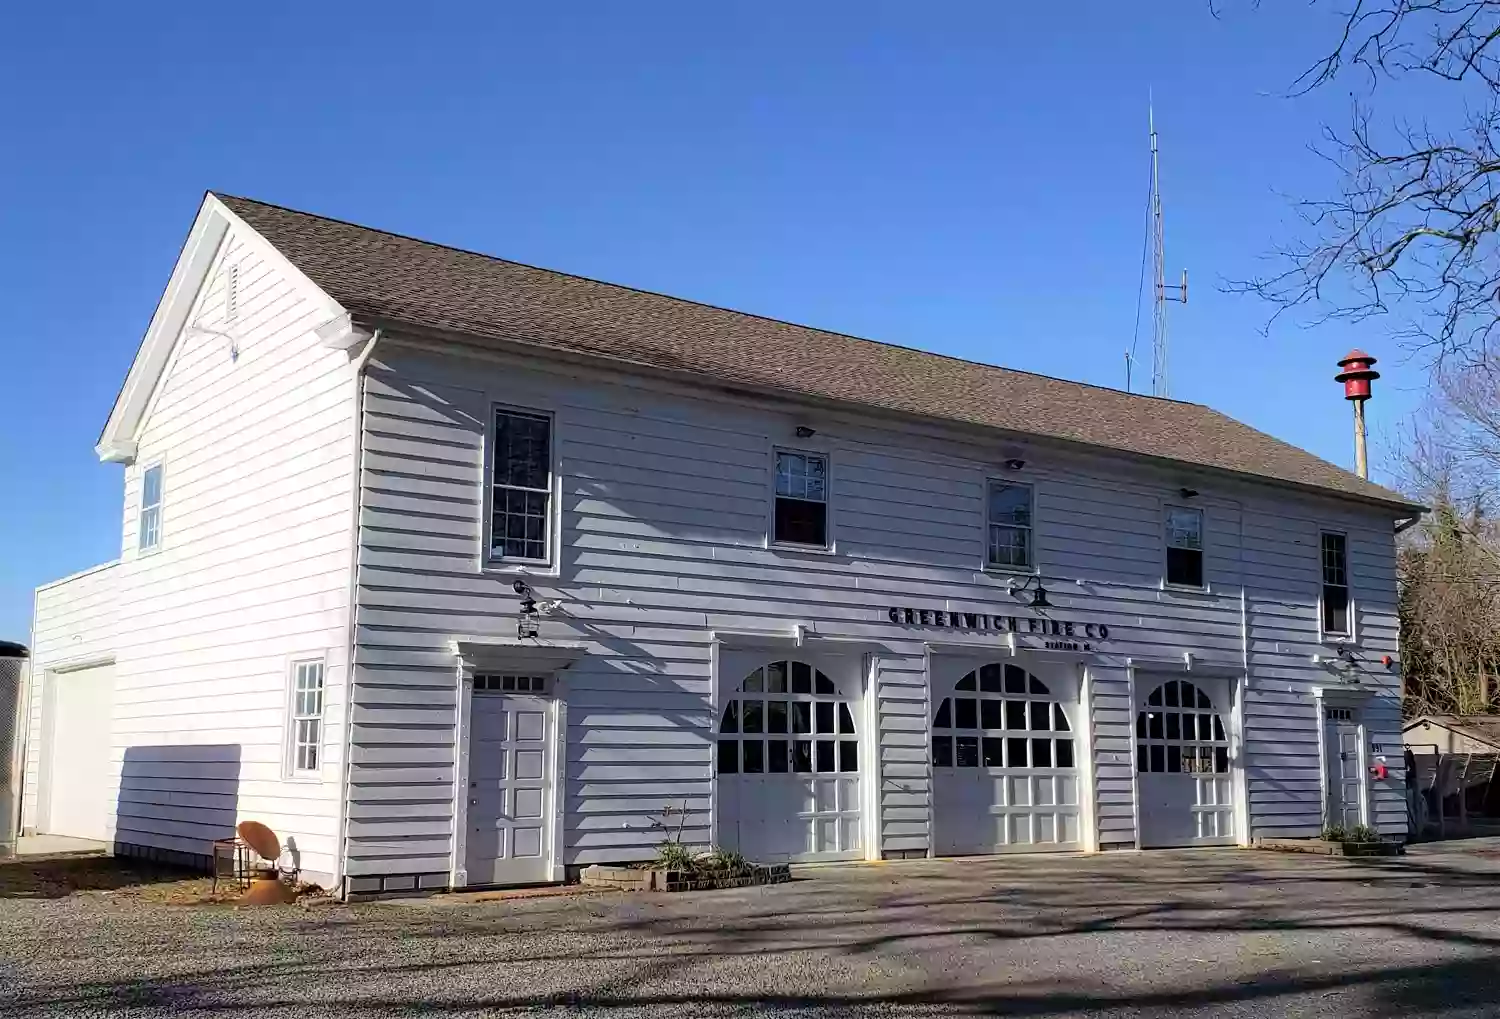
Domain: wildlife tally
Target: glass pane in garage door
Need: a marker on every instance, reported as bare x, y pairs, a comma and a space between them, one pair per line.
1004, 757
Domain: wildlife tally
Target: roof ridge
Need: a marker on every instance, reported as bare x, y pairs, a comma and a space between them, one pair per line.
713, 307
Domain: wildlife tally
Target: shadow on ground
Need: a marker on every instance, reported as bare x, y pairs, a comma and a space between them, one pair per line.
1192, 932
52, 877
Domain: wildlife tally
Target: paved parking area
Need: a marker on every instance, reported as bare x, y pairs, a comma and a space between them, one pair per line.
1221, 932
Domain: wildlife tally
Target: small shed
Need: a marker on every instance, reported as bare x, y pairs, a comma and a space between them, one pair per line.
1452, 734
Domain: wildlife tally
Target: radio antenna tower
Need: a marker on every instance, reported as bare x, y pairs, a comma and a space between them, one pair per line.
1163, 291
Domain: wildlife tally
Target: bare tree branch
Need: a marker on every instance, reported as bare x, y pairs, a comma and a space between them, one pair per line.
1415, 224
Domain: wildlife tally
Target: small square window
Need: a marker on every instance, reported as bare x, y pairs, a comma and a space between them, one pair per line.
801, 511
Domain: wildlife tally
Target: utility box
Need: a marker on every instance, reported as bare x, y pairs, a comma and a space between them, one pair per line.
12, 735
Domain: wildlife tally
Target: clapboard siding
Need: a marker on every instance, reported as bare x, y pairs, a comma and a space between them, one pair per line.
253, 423
665, 500
1283, 766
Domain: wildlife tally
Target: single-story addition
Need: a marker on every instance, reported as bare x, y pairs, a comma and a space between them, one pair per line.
456, 571
1452, 734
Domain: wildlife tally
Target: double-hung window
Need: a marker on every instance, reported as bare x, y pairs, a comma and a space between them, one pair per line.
521, 487
150, 530
1334, 548
1008, 513
305, 745
1184, 546
801, 513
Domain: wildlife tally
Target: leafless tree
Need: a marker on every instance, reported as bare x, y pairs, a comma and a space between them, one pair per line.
1449, 566
1413, 229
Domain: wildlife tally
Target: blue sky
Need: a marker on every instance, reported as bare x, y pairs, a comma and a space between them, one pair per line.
967, 177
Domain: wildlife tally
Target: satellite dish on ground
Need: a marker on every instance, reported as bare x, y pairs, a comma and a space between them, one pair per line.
261, 839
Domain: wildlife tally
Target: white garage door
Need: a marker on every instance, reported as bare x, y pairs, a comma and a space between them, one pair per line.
1005, 764
82, 705
1183, 763
510, 782
788, 764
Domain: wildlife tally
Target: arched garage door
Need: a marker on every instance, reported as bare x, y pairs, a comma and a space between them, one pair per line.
1005, 764
789, 763
1183, 763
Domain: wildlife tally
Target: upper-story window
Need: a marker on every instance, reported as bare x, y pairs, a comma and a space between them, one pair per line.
801, 514
521, 487
1008, 512
1335, 556
150, 529
1184, 546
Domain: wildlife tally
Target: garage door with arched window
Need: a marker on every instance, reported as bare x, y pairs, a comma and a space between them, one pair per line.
1005, 764
1183, 763
788, 765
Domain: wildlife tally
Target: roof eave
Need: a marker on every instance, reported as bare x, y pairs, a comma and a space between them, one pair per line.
1398, 508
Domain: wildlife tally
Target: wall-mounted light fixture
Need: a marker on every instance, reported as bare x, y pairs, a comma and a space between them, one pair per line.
1015, 463
804, 432
526, 624
1188, 493
1038, 593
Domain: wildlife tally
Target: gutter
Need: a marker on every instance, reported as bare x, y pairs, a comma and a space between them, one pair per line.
356, 500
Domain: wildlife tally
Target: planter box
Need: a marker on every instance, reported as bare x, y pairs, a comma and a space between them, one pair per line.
633, 879
1322, 848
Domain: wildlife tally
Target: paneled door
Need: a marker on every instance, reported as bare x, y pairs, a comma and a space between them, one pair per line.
788, 763
1184, 765
1005, 763
510, 784
1345, 767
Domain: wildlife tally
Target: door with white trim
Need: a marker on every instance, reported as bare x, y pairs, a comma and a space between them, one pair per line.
1005, 762
511, 749
82, 706
788, 757
1184, 776
1344, 765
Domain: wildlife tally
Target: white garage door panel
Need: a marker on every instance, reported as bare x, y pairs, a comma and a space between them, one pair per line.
1184, 763
1005, 751
788, 760
82, 705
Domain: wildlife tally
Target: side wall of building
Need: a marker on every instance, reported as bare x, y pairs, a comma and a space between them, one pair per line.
665, 503
252, 426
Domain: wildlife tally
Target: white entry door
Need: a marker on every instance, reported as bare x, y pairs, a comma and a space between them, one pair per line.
82, 708
1183, 763
1005, 757
1344, 766
510, 785
789, 761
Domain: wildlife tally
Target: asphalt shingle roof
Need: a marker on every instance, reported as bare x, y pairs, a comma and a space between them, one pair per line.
400, 280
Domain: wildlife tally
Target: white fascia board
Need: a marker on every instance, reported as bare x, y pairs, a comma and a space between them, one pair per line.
213, 222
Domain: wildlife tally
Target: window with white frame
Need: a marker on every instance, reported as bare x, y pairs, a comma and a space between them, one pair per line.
801, 514
305, 748
1335, 558
1008, 513
150, 530
521, 487
1184, 546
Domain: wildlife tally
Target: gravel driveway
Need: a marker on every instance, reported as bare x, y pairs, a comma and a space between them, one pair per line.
1221, 932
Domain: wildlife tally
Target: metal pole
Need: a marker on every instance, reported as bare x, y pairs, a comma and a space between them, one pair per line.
1361, 464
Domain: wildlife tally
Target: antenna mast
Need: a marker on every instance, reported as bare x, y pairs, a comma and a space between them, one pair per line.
1163, 292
